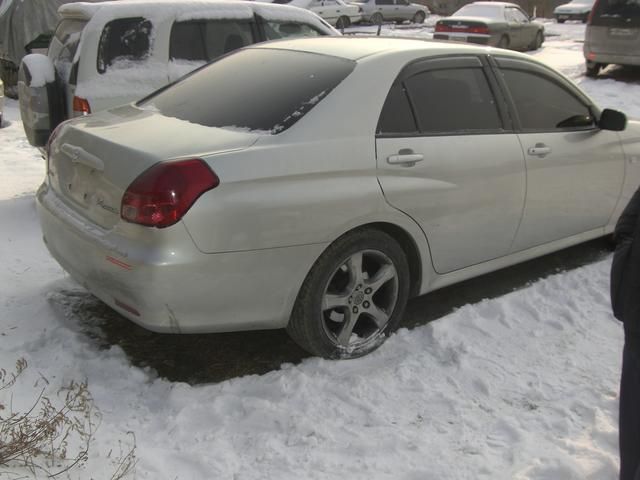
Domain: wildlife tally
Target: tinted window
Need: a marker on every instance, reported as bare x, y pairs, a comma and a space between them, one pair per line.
453, 100
125, 40
396, 116
255, 89
542, 104
274, 30
208, 39
384, 2
617, 13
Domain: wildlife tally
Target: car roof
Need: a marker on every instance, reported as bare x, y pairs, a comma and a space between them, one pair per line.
357, 48
499, 4
181, 8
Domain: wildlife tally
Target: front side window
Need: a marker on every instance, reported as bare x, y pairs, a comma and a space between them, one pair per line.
544, 105
456, 100
256, 89
124, 41
275, 30
384, 2
205, 40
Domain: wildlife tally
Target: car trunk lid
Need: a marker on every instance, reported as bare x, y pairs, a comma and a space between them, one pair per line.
93, 160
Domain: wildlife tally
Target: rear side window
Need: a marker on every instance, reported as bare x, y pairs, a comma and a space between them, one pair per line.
205, 40
457, 100
274, 30
542, 104
64, 45
396, 117
254, 89
617, 13
124, 40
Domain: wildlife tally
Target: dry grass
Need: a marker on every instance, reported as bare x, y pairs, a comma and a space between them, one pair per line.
52, 437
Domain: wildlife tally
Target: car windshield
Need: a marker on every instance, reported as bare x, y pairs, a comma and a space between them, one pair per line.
486, 11
256, 89
617, 13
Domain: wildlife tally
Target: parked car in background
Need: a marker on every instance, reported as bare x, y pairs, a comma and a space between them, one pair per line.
25, 26
336, 12
186, 212
612, 35
378, 11
574, 10
499, 24
110, 53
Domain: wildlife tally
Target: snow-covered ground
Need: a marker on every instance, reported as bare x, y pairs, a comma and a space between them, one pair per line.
519, 387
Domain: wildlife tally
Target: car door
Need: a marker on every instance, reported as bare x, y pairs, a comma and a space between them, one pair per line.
447, 157
385, 8
528, 30
575, 171
327, 9
516, 29
403, 10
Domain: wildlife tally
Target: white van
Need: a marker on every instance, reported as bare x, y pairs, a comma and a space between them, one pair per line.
111, 53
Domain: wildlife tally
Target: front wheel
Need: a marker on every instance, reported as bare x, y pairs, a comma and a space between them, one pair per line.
537, 42
353, 297
376, 18
343, 22
419, 17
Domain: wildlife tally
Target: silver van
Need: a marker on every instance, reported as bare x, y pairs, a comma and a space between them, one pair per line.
612, 35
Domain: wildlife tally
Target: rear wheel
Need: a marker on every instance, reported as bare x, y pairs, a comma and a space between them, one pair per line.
376, 18
353, 297
343, 22
504, 42
561, 21
419, 17
592, 69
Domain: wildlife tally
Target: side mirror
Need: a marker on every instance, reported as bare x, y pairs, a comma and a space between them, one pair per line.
612, 120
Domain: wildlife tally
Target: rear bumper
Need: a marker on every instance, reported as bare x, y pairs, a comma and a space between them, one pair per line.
610, 58
162, 282
571, 16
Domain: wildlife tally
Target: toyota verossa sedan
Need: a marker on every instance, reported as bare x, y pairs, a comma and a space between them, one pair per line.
317, 184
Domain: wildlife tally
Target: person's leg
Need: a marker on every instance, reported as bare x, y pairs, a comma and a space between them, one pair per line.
630, 415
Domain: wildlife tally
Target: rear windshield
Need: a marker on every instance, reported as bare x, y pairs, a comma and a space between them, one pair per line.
124, 41
264, 90
485, 11
617, 13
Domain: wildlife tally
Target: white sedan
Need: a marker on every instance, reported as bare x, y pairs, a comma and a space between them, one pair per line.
336, 12
271, 189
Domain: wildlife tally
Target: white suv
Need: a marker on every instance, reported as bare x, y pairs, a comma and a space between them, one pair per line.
111, 53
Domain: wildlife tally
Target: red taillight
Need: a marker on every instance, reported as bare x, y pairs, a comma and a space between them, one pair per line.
81, 106
479, 30
442, 28
593, 9
161, 196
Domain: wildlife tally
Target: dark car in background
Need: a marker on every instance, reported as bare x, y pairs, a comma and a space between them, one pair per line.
612, 35
497, 24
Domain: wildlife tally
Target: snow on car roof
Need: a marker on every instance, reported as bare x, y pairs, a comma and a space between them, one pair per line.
158, 10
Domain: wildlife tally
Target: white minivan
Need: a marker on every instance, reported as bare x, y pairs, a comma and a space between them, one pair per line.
111, 53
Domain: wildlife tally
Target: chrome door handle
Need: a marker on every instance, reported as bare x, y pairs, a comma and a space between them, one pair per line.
408, 159
540, 150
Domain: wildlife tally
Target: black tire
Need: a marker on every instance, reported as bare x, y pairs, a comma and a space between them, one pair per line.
504, 42
561, 21
585, 19
592, 69
343, 22
419, 17
339, 314
377, 18
537, 42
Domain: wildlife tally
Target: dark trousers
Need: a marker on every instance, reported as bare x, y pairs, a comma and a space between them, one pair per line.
630, 414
